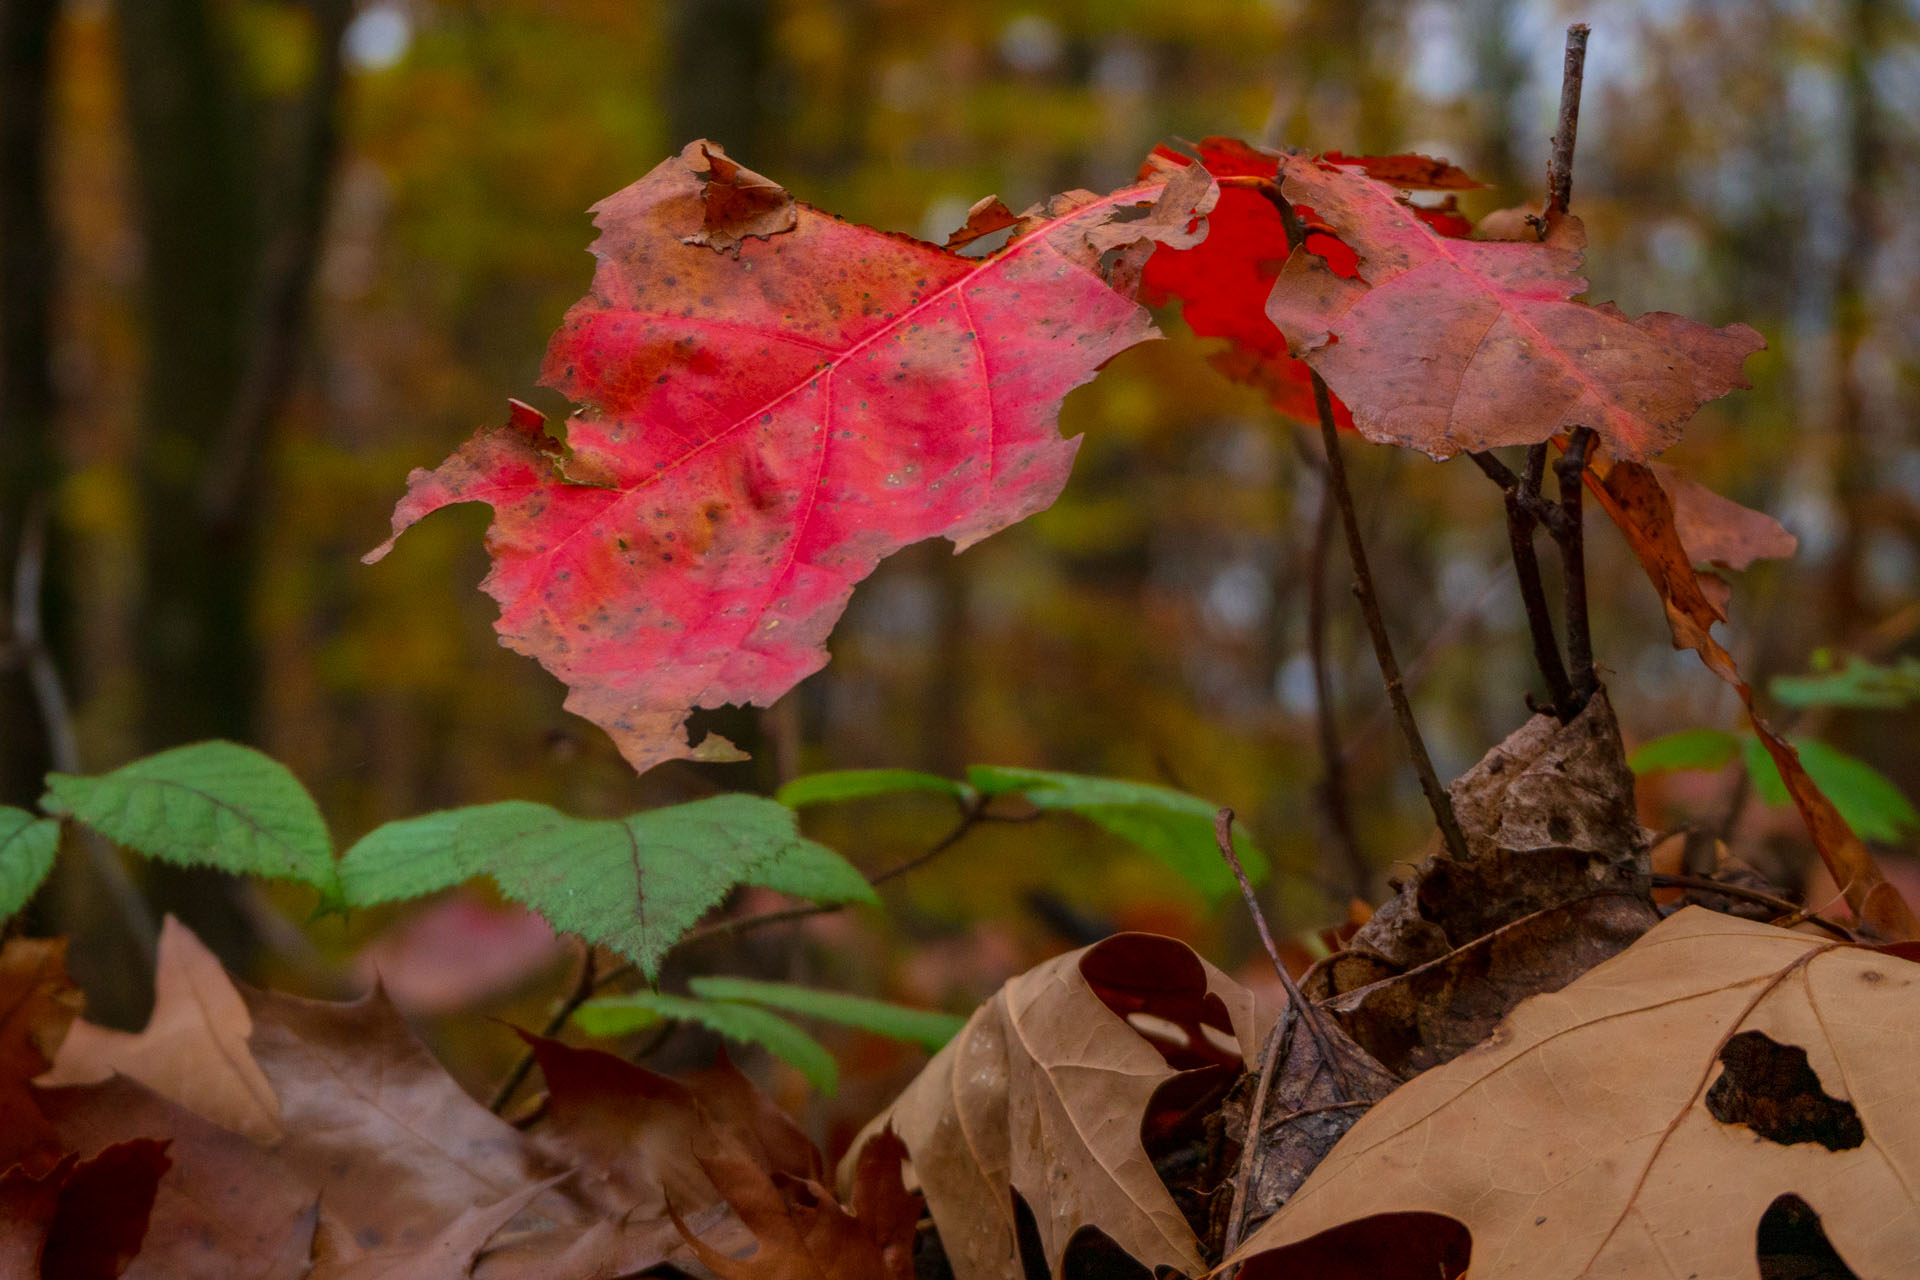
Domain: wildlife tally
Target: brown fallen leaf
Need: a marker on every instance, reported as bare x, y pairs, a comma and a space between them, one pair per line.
395, 1148
1043, 1094
1556, 883
227, 1207
802, 1232
193, 1049
1634, 497
1644, 1120
449, 1255
740, 204
1718, 530
38, 1003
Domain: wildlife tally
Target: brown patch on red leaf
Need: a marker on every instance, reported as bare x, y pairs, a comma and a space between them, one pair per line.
987, 216
740, 204
1446, 345
1409, 172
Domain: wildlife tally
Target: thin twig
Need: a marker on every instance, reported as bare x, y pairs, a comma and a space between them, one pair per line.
29, 645
1572, 75
1521, 520
1249, 1150
1335, 804
1437, 798
582, 990
1310, 1014
1705, 884
1570, 536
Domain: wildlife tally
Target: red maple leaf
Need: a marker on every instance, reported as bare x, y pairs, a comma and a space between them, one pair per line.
1224, 281
1447, 345
776, 400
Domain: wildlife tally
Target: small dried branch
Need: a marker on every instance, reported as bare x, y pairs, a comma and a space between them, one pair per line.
1335, 803
1437, 798
1572, 77
1310, 1014
1270, 1055
1570, 536
1522, 506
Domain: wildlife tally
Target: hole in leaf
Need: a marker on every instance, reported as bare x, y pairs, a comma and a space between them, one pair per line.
1026, 1233
1769, 1087
1792, 1245
1092, 1255
1386, 1246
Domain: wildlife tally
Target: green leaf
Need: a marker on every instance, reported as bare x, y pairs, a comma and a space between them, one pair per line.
617, 1015
213, 804
858, 784
27, 846
1860, 684
1873, 806
636, 884
924, 1027
1173, 826
1687, 749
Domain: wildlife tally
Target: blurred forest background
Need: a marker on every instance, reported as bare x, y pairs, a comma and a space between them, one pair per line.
258, 258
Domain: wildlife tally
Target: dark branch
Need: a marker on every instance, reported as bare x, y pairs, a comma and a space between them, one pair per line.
1572, 75
1571, 538
1437, 798
1335, 804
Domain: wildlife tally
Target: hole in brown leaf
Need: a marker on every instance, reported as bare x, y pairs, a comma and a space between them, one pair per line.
1792, 1245
1386, 1246
1026, 1232
1092, 1255
1769, 1087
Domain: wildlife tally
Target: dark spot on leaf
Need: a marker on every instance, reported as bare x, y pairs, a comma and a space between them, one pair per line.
1769, 1087
1559, 829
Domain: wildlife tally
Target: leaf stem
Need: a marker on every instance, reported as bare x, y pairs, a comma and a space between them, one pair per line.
1437, 798
1332, 792
1569, 534
583, 987
1310, 1014
1522, 517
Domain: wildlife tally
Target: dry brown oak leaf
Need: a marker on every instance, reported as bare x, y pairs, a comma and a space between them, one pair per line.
1449, 345
1652, 520
1044, 1091
193, 1049
1641, 1121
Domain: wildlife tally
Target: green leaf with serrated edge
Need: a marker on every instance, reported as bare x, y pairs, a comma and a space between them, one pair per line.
858, 784
435, 851
27, 846
636, 884
1871, 803
617, 1015
1859, 685
1687, 749
1175, 827
925, 1027
214, 804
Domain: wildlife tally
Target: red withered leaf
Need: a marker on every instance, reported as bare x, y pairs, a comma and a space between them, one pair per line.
1223, 282
763, 425
1634, 496
38, 1002
1446, 345
101, 1216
